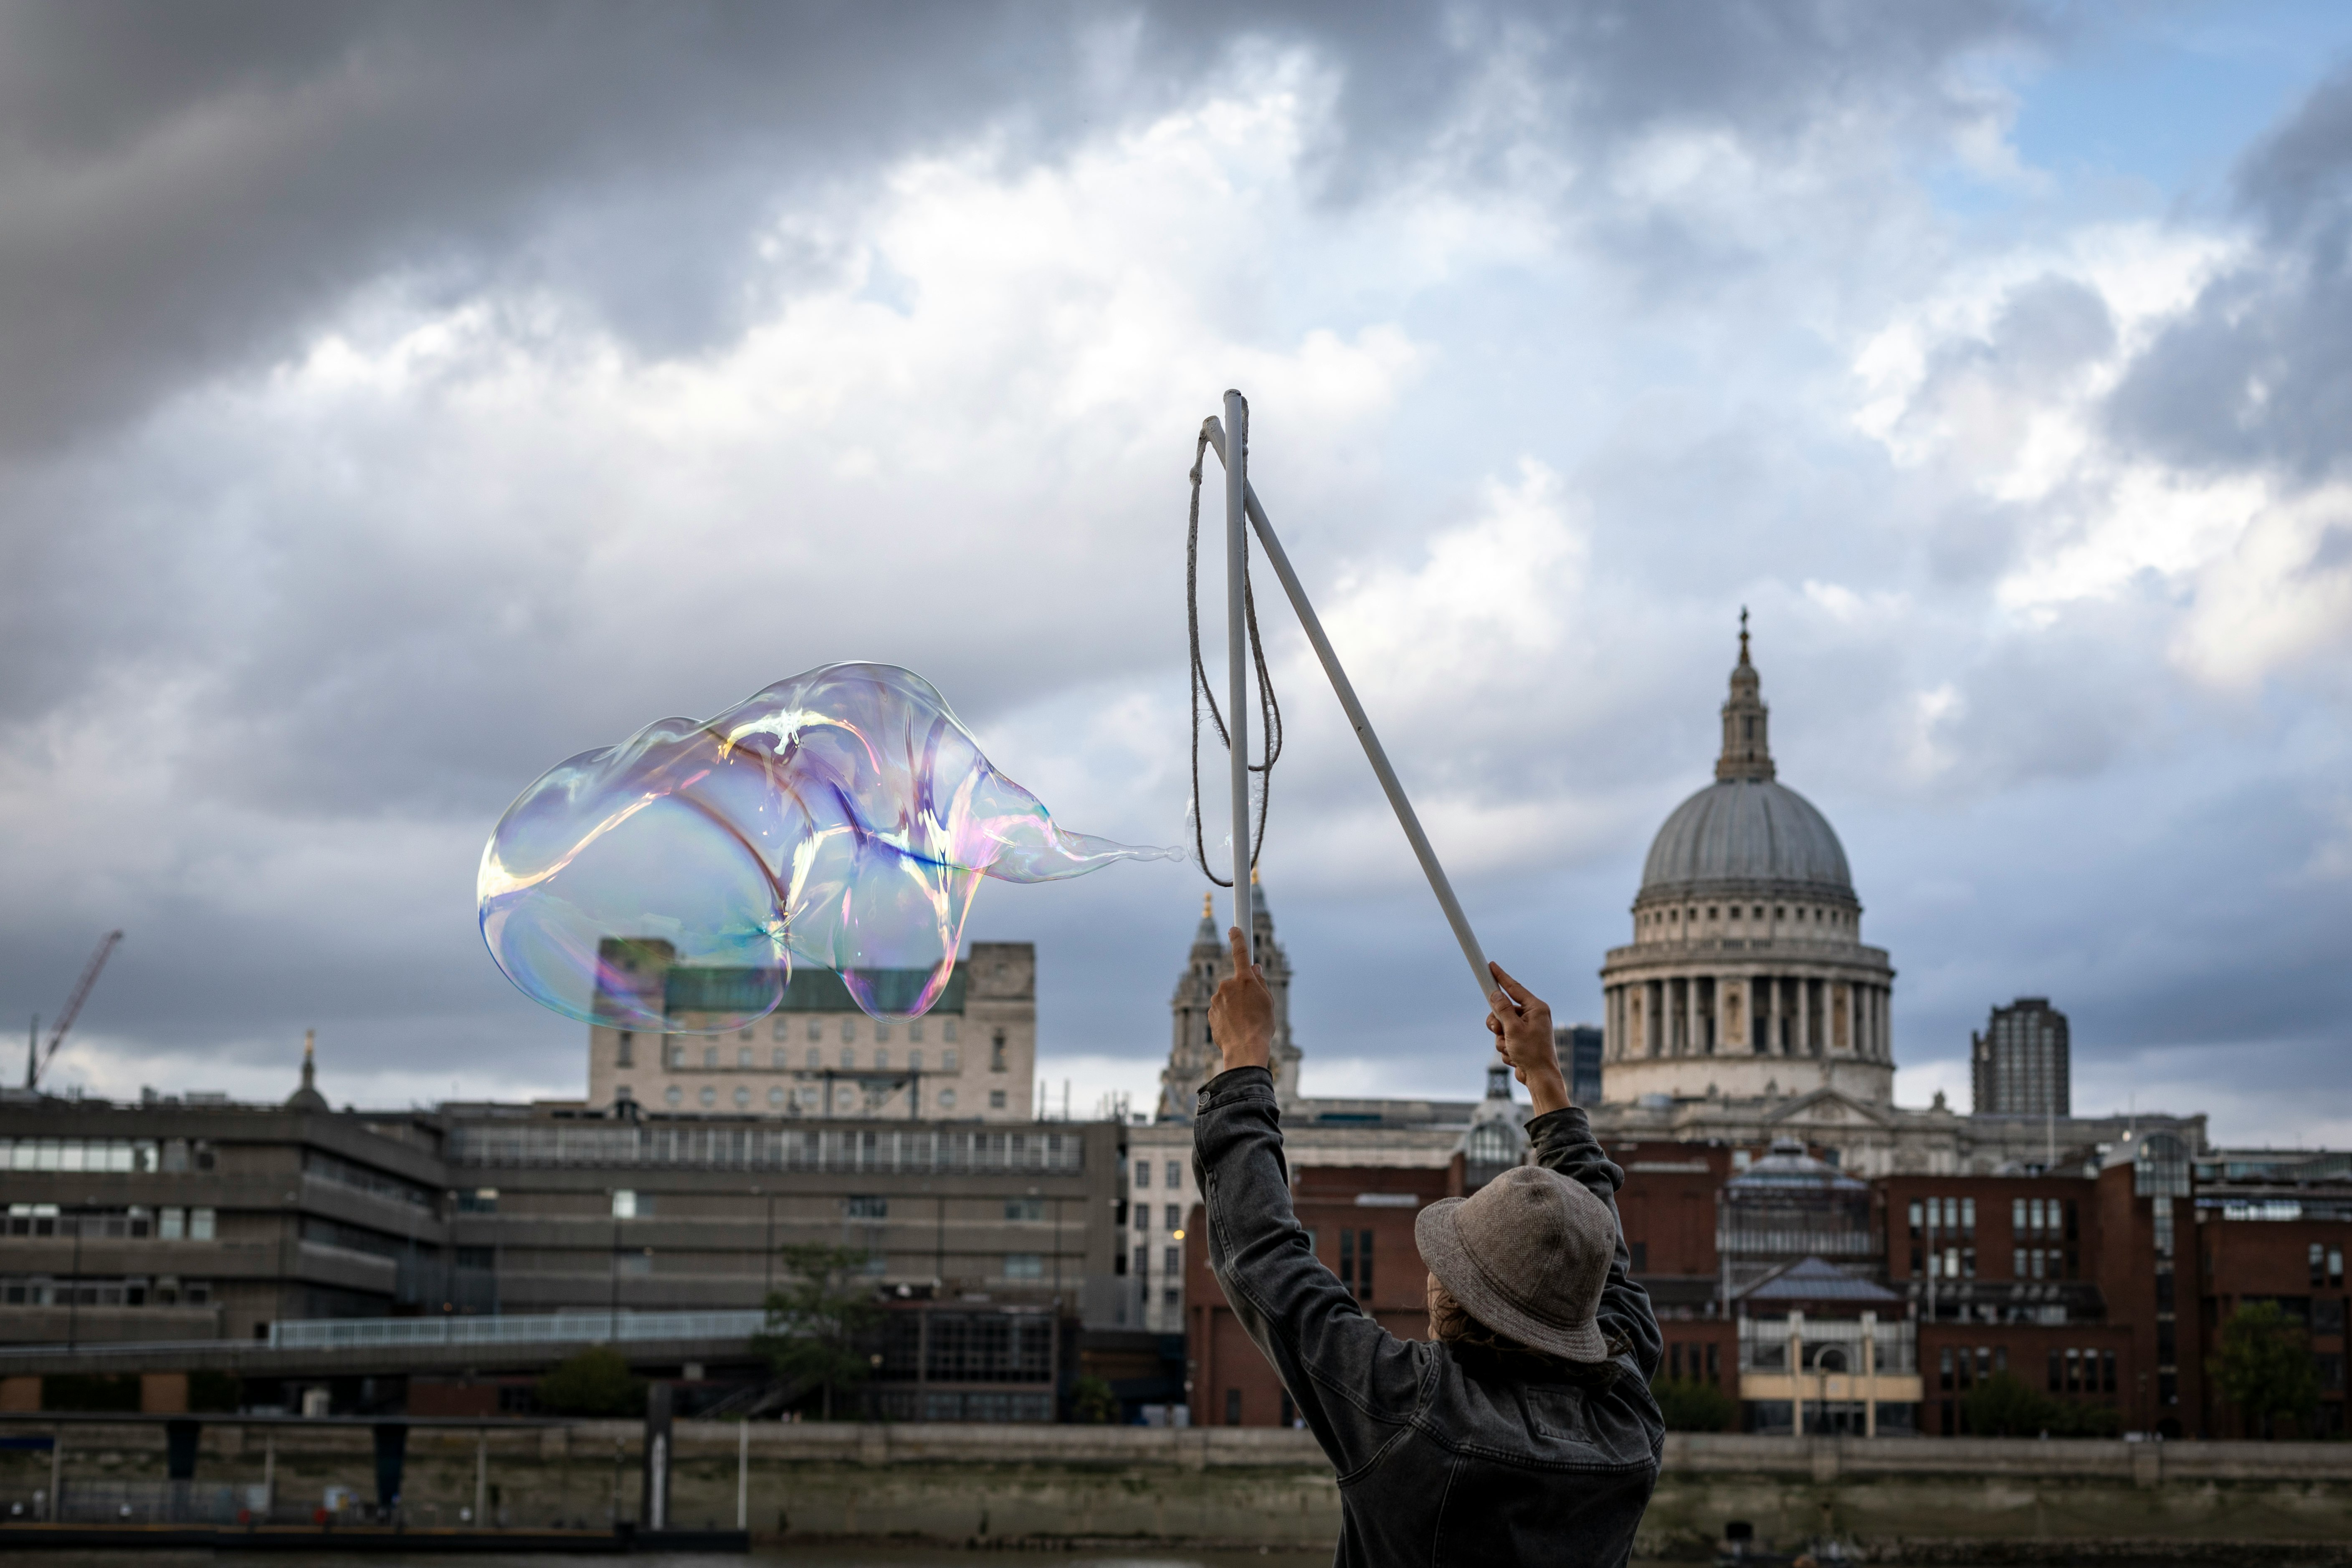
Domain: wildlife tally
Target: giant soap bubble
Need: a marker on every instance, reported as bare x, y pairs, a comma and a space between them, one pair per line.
843, 818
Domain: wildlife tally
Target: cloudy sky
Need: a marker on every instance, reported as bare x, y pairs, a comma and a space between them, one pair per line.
401, 398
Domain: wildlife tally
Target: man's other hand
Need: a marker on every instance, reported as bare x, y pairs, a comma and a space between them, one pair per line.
1240, 1015
1521, 1024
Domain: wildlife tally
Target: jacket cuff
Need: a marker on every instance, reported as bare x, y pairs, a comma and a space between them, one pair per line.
1241, 1083
1570, 1122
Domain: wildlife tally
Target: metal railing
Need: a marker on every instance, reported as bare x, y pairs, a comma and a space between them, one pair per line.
542, 1327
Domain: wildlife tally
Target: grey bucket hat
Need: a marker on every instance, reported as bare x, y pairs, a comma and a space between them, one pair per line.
1526, 1255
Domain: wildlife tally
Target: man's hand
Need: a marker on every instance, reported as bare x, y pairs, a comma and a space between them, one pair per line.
1240, 1015
1522, 1029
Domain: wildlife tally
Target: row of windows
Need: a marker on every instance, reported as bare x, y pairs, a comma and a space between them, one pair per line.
1172, 1217
2043, 1215
1172, 1262
1950, 1217
1709, 1366
809, 1098
1143, 1173
2327, 1264
106, 1154
780, 1060
133, 1223
1805, 915
783, 1030
37, 1291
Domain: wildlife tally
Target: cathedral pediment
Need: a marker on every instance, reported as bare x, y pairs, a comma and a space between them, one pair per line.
1830, 1108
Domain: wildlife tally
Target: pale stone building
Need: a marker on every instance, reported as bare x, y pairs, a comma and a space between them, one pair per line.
972, 1057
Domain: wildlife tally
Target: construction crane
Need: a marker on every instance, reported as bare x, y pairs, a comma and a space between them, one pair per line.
36, 1058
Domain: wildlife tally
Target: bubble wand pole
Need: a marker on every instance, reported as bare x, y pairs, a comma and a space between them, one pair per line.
1237, 652
1237, 477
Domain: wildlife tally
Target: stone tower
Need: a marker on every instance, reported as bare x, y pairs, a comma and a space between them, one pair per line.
1192, 1059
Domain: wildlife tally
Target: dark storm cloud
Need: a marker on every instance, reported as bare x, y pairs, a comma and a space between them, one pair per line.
192, 184
2259, 372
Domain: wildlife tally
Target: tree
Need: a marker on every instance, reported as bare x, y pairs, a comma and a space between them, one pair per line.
2006, 1405
820, 1324
1094, 1401
2265, 1367
595, 1382
1693, 1404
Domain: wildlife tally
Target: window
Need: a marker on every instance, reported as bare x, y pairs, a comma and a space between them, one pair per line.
709, 1096
742, 1096
881, 1032
816, 1057
778, 1060
776, 1098
1143, 1216
200, 1224
782, 1030
673, 1095
848, 1057
624, 1204
1232, 1407
996, 1052
1024, 1266
881, 1059
1171, 1260
1142, 1258
948, 1059
816, 1032
1175, 1216
865, 1207
1020, 1211
677, 1054
172, 1225
947, 1100
1175, 1174
995, 1099
849, 1032
479, 1200
915, 1059
1356, 1261
711, 1056
624, 1053
915, 1031
743, 1055
947, 1033
1143, 1173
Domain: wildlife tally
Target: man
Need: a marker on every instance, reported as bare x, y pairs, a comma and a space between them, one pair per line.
1523, 1430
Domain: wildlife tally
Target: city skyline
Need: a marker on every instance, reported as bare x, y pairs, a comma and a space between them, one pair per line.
407, 402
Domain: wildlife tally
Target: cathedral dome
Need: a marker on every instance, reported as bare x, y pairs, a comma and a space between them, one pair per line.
1741, 833
1746, 832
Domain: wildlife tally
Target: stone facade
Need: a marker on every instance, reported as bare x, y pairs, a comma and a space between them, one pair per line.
972, 1057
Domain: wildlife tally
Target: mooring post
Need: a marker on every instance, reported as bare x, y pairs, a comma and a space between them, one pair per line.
1237, 652
268, 1474
481, 1477
56, 1474
743, 1474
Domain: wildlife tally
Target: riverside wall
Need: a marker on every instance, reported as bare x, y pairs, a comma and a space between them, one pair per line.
1000, 1485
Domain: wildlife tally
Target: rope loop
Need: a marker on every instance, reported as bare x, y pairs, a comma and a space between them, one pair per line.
1269, 708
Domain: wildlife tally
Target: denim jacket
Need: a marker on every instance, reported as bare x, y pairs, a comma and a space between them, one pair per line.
1446, 1455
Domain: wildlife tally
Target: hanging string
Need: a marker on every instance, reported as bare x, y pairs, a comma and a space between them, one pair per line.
1269, 708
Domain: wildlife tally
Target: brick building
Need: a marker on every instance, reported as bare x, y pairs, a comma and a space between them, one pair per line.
1360, 1221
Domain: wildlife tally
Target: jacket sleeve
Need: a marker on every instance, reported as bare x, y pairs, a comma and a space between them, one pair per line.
1356, 1384
1563, 1142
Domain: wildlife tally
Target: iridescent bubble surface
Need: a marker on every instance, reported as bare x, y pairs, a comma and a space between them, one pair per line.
843, 817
